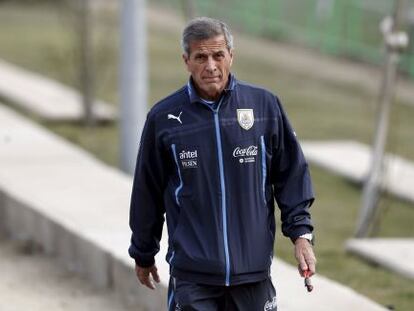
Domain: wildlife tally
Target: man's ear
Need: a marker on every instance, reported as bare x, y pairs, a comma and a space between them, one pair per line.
231, 56
185, 59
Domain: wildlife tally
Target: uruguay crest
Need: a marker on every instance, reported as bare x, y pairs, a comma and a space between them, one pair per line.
245, 118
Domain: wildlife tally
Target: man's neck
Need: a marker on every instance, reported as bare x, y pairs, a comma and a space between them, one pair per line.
208, 97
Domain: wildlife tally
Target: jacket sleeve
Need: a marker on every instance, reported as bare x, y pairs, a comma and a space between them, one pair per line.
147, 209
291, 179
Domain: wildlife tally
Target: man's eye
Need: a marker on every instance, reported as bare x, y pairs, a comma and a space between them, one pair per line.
200, 57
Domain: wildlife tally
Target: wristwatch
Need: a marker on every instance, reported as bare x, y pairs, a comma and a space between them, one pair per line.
307, 236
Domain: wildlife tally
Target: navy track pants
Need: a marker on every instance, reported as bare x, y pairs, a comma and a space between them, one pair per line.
187, 296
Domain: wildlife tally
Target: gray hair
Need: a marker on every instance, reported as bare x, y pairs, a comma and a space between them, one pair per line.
203, 28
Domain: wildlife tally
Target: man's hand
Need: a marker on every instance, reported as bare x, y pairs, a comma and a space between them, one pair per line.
305, 257
144, 277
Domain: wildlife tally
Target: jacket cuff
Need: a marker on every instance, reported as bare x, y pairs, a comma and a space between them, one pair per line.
144, 263
298, 231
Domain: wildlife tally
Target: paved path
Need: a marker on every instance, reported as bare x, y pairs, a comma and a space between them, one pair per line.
351, 159
33, 281
45, 97
77, 208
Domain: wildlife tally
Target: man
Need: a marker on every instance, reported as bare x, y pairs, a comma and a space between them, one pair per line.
213, 156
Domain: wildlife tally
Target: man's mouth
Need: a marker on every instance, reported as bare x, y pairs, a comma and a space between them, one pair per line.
211, 79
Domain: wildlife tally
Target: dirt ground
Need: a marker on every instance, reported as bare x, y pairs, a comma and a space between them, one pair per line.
33, 281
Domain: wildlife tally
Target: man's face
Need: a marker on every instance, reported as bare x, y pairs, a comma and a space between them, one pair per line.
209, 63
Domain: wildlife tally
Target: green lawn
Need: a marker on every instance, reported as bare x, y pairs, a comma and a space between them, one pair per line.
41, 38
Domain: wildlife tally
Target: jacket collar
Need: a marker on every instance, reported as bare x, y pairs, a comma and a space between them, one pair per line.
192, 92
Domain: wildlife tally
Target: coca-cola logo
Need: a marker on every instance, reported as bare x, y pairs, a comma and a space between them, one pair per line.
270, 305
245, 152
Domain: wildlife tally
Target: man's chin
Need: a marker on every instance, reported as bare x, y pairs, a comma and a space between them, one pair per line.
212, 91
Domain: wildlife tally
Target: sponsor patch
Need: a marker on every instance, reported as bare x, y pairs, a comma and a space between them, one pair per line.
245, 155
245, 118
270, 305
189, 158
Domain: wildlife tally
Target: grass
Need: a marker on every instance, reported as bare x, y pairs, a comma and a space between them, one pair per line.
39, 38
43, 38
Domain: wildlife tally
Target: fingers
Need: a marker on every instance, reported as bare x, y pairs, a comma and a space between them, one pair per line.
301, 272
154, 273
302, 262
144, 277
300, 256
311, 261
305, 257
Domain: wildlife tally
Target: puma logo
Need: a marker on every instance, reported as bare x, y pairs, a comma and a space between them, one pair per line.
171, 116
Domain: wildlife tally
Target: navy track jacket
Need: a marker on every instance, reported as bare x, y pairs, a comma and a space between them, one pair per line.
214, 171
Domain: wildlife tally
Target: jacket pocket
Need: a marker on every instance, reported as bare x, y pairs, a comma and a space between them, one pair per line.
187, 164
196, 239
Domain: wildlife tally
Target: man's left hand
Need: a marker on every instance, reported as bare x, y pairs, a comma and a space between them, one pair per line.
305, 257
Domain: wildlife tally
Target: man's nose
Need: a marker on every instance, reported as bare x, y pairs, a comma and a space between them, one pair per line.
211, 65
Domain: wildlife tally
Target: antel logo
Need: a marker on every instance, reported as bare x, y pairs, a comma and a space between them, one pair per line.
189, 159
188, 154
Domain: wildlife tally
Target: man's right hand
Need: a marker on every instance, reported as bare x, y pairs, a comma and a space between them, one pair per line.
146, 276
305, 257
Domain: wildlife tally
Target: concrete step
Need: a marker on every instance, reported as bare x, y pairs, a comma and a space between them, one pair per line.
45, 97
77, 209
395, 254
351, 159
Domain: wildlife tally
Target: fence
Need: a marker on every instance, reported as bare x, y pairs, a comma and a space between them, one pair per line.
340, 27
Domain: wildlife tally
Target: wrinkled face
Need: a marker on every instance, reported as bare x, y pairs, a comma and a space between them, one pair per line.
209, 63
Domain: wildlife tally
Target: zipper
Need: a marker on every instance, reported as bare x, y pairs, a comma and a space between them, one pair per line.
222, 187
264, 171
223, 193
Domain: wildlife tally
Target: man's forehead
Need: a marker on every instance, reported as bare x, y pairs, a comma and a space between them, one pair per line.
213, 44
